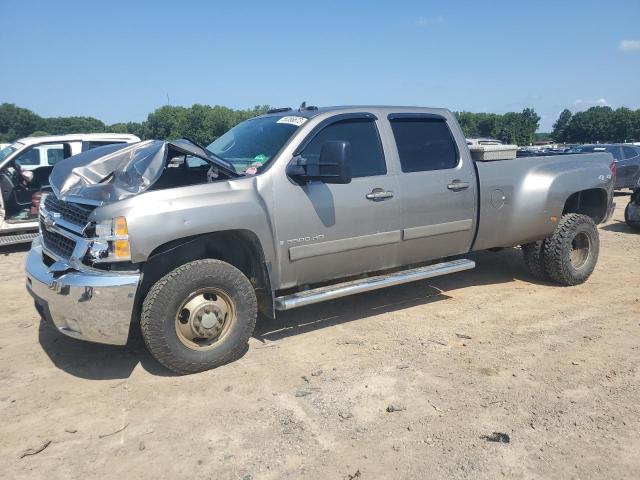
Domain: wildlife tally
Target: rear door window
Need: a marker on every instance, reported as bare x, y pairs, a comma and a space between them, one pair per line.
424, 144
629, 152
367, 157
55, 153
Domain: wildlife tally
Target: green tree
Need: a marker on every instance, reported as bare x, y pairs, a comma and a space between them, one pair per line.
16, 122
512, 127
592, 125
635, 129
468, 123
559, 133
66, 125
135, 128
622, 125
201, 123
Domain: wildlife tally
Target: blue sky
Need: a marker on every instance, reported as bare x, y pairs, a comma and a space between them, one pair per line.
118, 60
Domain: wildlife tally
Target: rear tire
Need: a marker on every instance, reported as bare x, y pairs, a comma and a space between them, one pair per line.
199, 316
571, 253
533, 254
627, 218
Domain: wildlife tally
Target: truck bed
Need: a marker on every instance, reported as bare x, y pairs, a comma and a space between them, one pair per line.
519, 197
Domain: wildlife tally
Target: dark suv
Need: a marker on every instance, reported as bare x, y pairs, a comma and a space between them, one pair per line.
627, 160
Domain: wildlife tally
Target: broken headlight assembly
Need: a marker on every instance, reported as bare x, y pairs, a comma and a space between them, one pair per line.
110, 242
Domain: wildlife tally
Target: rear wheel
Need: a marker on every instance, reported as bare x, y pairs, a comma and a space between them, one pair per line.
533, 254
627, 218
571, 253
199, 316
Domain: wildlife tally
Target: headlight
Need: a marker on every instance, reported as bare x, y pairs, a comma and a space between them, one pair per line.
111, 242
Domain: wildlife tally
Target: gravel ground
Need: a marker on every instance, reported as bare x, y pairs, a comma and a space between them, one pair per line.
408, 382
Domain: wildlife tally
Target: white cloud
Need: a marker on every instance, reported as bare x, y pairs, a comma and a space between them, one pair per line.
629, 45
423, 22
581, 104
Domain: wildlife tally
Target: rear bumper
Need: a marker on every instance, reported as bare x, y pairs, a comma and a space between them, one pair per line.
89, 305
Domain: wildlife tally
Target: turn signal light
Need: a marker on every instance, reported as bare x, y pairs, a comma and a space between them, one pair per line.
121, 250
120, 226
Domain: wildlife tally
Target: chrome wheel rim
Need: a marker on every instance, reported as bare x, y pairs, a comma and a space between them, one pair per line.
204, 318
580, 250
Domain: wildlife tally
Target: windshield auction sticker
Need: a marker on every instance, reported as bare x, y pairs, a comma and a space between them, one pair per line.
292, 120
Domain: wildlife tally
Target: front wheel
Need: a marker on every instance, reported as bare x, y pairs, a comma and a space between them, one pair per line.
571, 253
199, 316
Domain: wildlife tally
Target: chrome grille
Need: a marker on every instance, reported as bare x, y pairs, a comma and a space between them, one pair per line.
71, 212
56, 243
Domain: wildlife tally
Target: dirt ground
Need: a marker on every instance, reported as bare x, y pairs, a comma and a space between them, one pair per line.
458, 358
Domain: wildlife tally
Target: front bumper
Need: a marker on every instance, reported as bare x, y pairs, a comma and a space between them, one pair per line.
87, 304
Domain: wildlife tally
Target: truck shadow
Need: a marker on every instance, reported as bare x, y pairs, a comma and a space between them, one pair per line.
492, 268
100, 362
618, 226
95, 361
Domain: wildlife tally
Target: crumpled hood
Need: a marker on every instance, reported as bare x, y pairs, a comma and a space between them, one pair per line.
114, 172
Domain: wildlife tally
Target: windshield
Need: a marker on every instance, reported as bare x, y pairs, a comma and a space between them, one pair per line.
250, 145
8, 150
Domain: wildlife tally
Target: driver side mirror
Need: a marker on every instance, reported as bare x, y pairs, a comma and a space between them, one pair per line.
333, 165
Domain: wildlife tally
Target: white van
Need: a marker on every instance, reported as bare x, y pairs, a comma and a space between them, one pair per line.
25, 166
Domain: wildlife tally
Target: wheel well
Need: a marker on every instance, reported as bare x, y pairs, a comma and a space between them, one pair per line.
592, 202
240, 248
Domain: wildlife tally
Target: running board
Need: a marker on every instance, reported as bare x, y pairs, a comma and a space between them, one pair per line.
308, 297
16, 239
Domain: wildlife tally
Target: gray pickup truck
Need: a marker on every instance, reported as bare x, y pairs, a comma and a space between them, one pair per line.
288, 209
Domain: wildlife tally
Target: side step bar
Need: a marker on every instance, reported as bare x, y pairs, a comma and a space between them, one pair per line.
308, 297
16, 239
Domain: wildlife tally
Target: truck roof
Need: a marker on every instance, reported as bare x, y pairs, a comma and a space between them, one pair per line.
310, 112
79, 137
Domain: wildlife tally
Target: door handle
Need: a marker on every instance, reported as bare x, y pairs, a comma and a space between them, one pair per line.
378, 194
457, 185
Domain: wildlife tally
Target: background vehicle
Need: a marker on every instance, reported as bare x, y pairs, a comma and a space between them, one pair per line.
632, 210
25, 166
289, 209
483, 141
627, 158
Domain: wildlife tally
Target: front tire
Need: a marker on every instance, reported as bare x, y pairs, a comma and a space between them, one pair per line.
199, 316
571, 253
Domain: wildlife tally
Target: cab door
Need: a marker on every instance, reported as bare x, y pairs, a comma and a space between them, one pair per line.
328, 231
438, 187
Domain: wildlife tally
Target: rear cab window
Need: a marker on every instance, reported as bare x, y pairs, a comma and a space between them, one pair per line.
424, 143
367, 157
